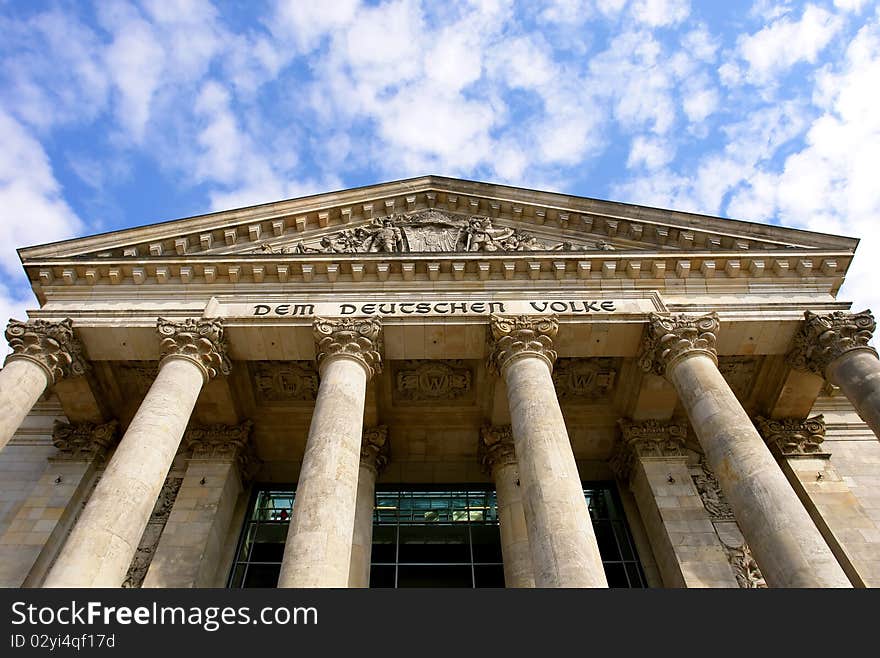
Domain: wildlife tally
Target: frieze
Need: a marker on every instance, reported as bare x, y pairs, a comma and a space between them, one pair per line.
146, 549
418, 381
583, 379
284, 381
710, 493
745, 569
428, 231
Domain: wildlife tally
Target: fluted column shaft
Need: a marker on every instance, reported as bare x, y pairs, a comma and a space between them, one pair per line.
561, 538
43, 353
104, 540
374, 458
835, 346
498, 459
319, 541
784, 540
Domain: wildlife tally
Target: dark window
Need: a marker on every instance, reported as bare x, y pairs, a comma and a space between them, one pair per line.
429, 537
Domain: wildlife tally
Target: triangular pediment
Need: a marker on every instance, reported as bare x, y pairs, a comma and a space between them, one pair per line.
433, 214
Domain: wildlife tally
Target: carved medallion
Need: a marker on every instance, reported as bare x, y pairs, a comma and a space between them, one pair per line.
583, 379
284, 381
432, 380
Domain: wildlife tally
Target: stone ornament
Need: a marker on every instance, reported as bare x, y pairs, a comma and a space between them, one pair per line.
432, 380
669, 338
522, 335
495, 449
793, 437
51, 345
824, 338
649, 440
745, 569
428, 231
83, 441
284, 381
710, 493
375, 448
225, 443
583, 379
146, 549
199, 340
355, 338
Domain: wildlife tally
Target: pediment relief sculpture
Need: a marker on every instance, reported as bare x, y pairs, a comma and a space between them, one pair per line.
429, 231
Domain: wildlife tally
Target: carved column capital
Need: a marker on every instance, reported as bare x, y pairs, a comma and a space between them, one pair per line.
51, 345
824, 338
199, 340
522, 335
495, 449
223, 443
375, 448
83, 441
670, 338
794, 437
355, 338
650, 440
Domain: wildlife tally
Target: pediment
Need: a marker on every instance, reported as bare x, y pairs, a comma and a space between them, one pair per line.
435, 215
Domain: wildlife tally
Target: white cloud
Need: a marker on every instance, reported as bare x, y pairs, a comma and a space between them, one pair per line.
785, 42
649, 152
308, 23
660, 13
850, 5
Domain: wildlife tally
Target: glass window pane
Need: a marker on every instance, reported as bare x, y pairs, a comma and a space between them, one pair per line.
434, 544
489, 575
262, 575
486, 541
434, 576
382, 576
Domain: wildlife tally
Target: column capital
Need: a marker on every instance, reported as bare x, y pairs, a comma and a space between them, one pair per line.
495, 448
794, 437
650, 440
375, 448
670, 338
83, 442
355, 338
522, 335
51, 345
824, 338
199, 340
223, 443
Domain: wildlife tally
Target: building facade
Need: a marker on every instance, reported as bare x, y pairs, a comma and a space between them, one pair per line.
438, 382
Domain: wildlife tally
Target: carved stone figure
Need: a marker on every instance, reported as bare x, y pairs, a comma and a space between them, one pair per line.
150, 539
710, 493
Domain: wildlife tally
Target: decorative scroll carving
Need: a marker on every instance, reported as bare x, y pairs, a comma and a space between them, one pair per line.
223, 443
668, 338
583, 379
748, 575
284, 381
358, 338
83, 441
432, 380
739, 372
649, 440
51, 345
428, 231
824, 338
146, 549
200, 340
710, 493
495, 449
522, 335
793, 437
375, 448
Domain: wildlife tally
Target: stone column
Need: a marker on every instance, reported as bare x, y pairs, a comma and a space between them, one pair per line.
100, 548
835, 346
651, 457
42, 353
375, 452
498, 460
798, 445
31, 540
318, 548
561, 538
221, 458
786, 543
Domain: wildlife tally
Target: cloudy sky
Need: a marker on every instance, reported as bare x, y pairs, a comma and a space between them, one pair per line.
119, 113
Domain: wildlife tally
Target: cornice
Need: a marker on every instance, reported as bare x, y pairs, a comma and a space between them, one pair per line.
663, 228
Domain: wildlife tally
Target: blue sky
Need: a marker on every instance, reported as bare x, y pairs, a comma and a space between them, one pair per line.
120, 113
